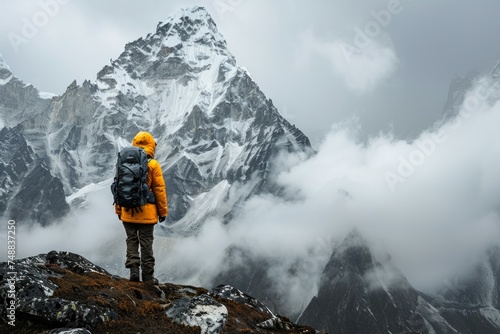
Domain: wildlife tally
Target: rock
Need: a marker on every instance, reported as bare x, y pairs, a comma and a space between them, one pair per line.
268, 320
69, 331
62, 292
228, 292
202, 311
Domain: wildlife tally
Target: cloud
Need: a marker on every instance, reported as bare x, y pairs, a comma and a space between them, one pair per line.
83, 231
361, 69
435, 223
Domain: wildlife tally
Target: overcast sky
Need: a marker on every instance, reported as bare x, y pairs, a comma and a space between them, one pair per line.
386, 63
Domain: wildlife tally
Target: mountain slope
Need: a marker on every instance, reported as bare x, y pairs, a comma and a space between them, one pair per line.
29, 191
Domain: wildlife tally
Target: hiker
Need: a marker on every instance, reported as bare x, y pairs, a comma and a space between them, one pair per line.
139, 222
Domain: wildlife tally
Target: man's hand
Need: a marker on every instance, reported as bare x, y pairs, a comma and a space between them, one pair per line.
162, 219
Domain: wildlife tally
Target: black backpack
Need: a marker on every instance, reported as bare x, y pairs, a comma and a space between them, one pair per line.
130, 188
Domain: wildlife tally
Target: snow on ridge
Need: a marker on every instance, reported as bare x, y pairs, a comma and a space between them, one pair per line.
199, 15
195, 13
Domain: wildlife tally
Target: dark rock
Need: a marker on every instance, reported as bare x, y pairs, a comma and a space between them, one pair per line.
228, 292
62, 292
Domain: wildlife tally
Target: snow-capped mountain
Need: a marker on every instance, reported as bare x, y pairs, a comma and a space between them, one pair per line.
214, 127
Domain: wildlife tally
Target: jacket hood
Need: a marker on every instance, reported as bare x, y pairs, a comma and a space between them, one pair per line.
146, 141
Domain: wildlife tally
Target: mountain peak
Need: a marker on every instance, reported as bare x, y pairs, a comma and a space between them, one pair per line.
3, 64
191, 27
194, 13
184, 47
354, 242
355, 238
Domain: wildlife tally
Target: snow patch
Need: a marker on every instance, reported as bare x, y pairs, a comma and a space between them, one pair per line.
91, 188
46, 96
6, 81
202, 311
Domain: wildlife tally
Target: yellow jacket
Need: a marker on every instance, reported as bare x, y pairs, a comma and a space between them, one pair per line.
150, 212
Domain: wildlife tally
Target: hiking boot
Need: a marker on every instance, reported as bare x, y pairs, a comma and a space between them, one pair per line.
149, 279
134, 274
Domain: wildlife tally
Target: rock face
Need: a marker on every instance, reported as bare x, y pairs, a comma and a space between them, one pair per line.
202, 311
62, 292
214, 127
29, 191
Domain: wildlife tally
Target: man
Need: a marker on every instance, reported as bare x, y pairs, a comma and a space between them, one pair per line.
139, 224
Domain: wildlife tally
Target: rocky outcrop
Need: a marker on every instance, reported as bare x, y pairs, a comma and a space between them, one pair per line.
62, 292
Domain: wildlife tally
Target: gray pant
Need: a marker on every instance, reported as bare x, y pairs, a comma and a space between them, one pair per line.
140, 234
